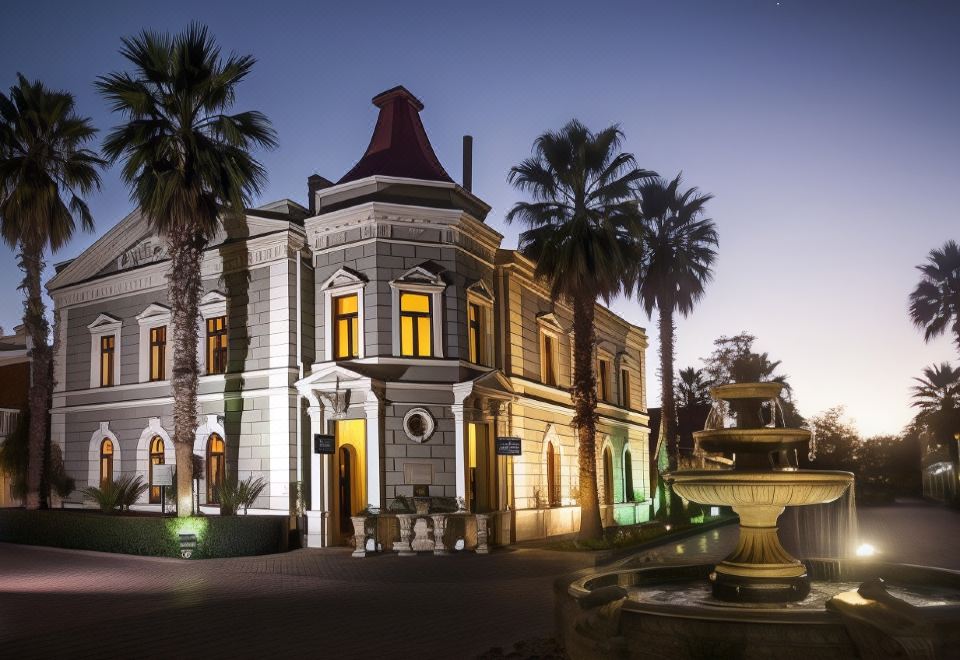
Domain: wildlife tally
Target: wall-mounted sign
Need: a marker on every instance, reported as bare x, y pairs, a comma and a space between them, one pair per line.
507, 446
162, 475
323, 444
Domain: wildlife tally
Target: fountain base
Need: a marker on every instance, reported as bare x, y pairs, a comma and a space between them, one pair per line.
741, 589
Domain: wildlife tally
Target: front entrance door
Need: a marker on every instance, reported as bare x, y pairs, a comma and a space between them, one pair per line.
350, 483
482, 473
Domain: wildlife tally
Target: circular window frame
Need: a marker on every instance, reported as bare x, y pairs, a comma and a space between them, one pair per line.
429, 424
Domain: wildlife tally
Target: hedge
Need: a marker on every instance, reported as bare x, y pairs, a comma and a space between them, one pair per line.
217, 536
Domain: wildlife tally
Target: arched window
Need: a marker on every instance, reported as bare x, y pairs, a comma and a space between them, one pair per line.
106, 462
553, 475
216, 461
627, 477
607, 476
156, 458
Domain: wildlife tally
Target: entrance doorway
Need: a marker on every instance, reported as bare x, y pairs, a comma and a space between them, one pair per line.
481, 469
349, 469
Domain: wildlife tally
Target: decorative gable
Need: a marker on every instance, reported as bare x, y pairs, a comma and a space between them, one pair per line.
549, 319
154, 312
426, 273
105, 323
479, 288
343, 277
213, 304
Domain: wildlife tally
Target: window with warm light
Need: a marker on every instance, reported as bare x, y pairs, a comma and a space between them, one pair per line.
553, 476
346, 327
625, 388
548, 359
216, 466
106, 462
477, 334
217, 345
416, 324
158, 353
156, 458
603, 383
108, 344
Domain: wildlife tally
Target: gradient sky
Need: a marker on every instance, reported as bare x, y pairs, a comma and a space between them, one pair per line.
827, 131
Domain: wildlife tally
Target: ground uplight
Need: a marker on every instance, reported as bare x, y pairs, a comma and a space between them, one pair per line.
865, 550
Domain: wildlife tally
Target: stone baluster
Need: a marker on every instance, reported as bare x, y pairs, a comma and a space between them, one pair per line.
482, 547
359, 536
439, 527
406, 531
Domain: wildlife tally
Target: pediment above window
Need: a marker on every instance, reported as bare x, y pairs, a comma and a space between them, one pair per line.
105, 323
213, 303
549, 321
154, 312
428, 273
479, 289
343, 277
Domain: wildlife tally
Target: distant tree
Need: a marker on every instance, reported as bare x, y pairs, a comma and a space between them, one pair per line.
678, 244
692, 388
937, 398
578, 235
935, 302
45, 171
188, 163
837, 440
888, 463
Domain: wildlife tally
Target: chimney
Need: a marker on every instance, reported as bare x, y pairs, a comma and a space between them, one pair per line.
468, 163
315, 182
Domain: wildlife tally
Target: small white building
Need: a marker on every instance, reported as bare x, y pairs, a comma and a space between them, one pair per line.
383, 313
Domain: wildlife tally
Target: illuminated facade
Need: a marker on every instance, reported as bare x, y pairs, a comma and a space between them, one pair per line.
386, 314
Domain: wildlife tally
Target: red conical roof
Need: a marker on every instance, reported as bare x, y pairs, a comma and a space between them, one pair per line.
399, 145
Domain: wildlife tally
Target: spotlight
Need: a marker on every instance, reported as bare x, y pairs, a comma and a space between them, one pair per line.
865, 550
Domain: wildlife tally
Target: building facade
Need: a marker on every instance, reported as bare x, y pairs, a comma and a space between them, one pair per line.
14, 393
384, 314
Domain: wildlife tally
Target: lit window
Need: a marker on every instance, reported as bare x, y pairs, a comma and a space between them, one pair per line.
106, 462
416, 324
158, 352
108, 345
217, 345
156, 458
625, 388
476, 334
216, 467
346, 329
607, 476
548, 356
603, 388
628, 477
553, 476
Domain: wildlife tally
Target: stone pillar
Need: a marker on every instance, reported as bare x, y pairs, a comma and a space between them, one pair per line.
359, 536
482, 535
317, 511
402, 547
439, 527
371, 409
460, 453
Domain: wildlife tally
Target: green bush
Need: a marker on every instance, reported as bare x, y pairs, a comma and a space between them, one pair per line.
235, 495
113, 494
145, 535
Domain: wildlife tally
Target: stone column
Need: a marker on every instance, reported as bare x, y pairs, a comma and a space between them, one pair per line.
460, 392
402, 547
371, 409
317, 511
359, 536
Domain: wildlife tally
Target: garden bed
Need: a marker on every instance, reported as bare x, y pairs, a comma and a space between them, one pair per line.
217, 536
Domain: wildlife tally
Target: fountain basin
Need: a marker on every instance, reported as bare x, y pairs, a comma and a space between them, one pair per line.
732, 391
751, 440
634, 610
738, 488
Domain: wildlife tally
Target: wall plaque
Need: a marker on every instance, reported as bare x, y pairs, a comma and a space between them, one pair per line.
323, 444
418, 473
507, 446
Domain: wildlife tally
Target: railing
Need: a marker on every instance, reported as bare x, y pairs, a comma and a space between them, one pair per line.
8, 421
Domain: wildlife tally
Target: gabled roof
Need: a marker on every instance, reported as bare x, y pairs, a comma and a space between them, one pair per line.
399, 146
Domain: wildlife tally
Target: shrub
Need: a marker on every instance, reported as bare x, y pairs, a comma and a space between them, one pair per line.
401, 504
234, 495
145, 535
113, 494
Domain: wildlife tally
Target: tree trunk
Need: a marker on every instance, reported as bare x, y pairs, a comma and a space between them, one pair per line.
668, 408
184, 285
37, 328
584, 394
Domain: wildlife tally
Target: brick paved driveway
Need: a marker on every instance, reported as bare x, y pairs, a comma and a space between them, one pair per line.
313, 603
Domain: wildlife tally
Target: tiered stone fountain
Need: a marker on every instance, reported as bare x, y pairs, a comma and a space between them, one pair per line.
759, 602
765, 478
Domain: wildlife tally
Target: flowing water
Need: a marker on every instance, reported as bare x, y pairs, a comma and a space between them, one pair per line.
821, 530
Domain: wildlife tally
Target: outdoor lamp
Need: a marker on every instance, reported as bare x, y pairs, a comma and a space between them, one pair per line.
188, 542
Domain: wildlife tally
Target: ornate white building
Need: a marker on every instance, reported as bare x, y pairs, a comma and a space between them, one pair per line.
384, 314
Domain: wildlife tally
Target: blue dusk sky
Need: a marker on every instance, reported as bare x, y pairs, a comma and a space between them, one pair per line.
827, 131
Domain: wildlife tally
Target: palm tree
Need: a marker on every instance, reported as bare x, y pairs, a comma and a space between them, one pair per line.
45, 170
187, 162
578, 235
937, 396
935, 302
693, 388
678, 246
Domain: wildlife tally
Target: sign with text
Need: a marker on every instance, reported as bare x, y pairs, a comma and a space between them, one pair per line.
507, 446
323, 444
162, 475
